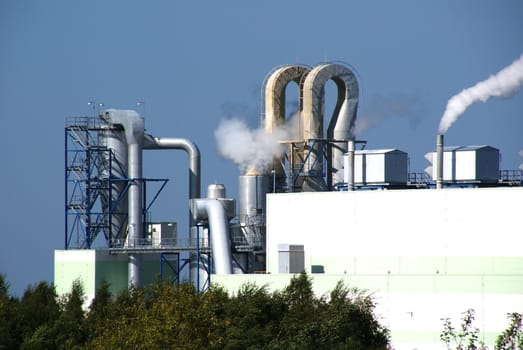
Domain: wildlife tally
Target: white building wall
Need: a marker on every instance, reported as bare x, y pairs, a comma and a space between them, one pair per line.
425, 254
395, 223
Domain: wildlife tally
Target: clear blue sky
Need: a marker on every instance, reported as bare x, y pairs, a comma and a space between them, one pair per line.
195, 62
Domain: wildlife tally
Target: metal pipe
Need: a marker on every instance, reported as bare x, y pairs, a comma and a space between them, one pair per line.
350, 170
340, 126
439, 161
133, 126
213, 210
275, 88
151, 142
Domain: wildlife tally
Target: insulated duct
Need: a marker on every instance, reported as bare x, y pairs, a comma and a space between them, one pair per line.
340, 127
151, 142
133, 126
275, 98
214, 211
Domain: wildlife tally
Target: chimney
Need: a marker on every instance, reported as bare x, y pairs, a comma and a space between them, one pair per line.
439, 161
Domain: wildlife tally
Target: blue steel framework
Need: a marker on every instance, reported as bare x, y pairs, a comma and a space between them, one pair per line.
172, 262
292, 173
85, 217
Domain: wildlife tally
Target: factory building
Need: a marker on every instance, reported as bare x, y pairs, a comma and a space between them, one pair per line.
427, 247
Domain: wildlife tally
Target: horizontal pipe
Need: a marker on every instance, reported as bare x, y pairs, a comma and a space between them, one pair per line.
151, 142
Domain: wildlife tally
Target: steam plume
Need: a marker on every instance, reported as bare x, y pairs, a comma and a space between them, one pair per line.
503, 84
380, 108
250, 149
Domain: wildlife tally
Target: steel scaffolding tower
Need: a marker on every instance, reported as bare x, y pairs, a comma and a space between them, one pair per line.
84, 217
91, 202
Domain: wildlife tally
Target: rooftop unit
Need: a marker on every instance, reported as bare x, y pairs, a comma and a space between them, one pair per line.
162, 234
467, 164
382, 167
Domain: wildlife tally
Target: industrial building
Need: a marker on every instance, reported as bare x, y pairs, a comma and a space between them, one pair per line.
427, 246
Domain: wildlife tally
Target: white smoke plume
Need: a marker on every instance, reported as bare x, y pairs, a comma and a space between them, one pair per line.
380, 108
503, 84
252, 150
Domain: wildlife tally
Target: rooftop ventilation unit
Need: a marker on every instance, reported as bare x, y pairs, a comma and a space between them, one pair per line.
383, 167
467, 164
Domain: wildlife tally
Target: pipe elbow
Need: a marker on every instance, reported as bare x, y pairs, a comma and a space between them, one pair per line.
213, 211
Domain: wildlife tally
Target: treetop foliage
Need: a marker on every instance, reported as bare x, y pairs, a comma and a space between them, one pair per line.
163, 316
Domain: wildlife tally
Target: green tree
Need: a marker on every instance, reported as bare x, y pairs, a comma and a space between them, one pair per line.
512, 337
37, 311
300, 325
120, 328
99, 310
253, 318
8, 311
344, 320
163, 316
348, 321
466, 337
69, 329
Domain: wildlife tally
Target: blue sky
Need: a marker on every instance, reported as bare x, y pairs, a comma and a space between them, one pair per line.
197, 62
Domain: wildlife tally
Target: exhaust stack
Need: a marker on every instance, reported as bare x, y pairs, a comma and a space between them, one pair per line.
350, 170
439, 161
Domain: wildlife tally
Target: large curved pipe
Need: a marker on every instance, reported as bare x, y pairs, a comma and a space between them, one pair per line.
340, 127
133, 126
213, 210
275, 93
275, 88
151, 142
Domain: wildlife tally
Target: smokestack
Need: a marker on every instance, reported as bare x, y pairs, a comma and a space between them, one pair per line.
350, 172
439, 161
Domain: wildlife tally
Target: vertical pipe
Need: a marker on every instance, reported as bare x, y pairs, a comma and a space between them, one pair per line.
350, 171
439, 161
133, 126
135, 221
213, 211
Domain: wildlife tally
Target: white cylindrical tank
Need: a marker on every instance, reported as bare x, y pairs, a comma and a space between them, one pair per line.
113, 166
252, 192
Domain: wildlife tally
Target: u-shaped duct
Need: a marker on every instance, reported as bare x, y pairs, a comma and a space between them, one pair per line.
341, 125
312, 99
275, 99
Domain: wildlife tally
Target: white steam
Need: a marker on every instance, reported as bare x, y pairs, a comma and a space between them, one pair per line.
251, 149
504, 84
381, 108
